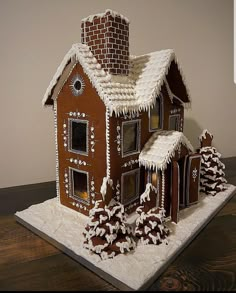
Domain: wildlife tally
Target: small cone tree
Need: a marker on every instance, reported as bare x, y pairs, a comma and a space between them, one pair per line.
150, 225
106, 233
212, 176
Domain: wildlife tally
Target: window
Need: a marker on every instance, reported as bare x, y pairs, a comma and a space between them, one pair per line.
155, 115
77, 85
174, 122
130, 137
153, 177
78, 136
79, 185
130, 186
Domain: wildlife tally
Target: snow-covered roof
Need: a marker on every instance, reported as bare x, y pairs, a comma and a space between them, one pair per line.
122, 94
161, 147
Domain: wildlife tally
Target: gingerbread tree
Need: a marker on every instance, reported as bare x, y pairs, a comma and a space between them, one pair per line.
212, 176
106, 233
150, 225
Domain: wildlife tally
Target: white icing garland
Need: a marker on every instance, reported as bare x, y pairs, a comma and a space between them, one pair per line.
108, 143
57, 159
163, 190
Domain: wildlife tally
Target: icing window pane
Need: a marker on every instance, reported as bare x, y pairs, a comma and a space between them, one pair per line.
79, 136
130, 186
155, 115
80, 185
130, 137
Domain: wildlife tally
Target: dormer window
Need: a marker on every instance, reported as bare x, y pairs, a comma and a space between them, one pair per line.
155, 115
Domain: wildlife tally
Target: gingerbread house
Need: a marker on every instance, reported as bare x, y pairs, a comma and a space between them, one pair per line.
119, 122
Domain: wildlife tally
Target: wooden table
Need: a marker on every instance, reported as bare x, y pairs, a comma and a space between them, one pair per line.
27, 262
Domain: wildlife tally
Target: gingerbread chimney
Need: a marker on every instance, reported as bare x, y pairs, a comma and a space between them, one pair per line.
107, 35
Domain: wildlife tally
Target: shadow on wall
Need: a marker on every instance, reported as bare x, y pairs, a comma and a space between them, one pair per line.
192, 130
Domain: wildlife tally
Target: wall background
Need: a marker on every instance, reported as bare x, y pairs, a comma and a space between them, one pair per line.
36, 34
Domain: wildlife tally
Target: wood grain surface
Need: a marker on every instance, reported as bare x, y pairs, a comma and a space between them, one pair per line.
28, 262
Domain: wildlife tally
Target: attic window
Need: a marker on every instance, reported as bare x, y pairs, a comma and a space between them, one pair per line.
155, 115
77, 85
130, 137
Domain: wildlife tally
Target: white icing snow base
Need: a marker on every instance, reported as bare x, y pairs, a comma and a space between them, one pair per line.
138, 267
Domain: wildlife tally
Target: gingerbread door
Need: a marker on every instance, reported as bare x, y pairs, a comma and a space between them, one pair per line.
193, 178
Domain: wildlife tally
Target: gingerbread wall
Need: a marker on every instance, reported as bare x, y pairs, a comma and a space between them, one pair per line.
86, 107
108, 39
89, 107
121, 164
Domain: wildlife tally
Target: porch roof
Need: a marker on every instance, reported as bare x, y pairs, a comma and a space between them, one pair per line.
161, 148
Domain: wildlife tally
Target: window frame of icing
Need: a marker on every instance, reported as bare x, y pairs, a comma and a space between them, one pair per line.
71, 180
137, 185
161, 109
179, 121
138, 138
70, 143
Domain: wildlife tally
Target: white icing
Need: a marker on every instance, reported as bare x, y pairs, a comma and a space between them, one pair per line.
103, 188
108, 145
134, 93
100, 15
100, 231
161, 147
57, 159
113, 228
110, 237
147, 229
102, 219
146, 195
125, 245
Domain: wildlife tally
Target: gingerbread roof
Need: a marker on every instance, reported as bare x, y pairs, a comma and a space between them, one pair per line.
161, 147
122, 94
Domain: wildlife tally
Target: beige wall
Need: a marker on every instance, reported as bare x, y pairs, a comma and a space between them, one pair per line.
36, 34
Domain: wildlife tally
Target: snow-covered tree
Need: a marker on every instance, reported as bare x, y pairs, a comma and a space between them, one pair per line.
107, 233
212, 176
150, 225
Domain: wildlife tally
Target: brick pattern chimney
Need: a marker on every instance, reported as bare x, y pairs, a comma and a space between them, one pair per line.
107, 35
